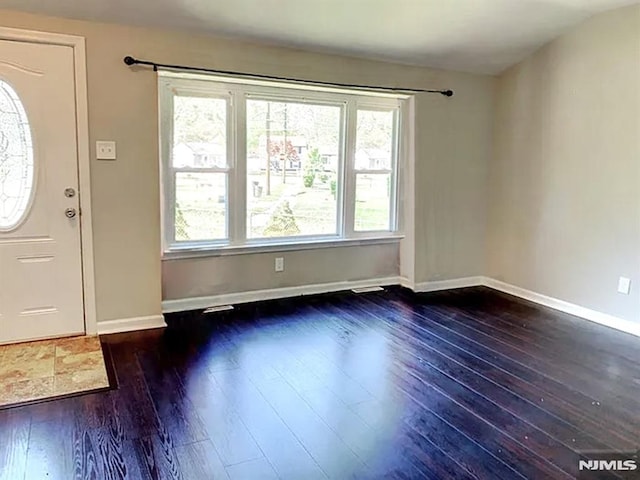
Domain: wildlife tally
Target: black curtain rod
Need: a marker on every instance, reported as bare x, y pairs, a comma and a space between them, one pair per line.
134, 61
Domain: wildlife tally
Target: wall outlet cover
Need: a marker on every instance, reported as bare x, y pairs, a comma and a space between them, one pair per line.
624, 285
279, 266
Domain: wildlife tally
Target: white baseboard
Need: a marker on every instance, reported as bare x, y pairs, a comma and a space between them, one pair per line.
438, 285
197, 303
131, 324
406, 283
557, 304
571, 308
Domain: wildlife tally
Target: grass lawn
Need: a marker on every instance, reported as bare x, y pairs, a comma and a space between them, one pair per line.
308, 211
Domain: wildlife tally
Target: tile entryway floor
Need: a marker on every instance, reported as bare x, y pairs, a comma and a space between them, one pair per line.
50, 368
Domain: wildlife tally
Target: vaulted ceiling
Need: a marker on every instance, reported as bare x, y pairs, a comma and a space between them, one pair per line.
483, 36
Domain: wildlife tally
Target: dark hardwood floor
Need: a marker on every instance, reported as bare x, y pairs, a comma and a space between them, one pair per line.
452, 385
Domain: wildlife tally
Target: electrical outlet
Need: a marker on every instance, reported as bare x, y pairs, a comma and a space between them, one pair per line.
279, 264
105, 150
624, 285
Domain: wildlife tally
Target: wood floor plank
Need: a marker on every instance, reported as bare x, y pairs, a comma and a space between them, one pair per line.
200, 460
54, 449
171, 404
157, 457
280, 446
231, 438
420, 458
14, 445
115, 454
333, 456
259, 469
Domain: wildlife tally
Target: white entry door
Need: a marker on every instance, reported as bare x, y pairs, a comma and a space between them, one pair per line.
40, 253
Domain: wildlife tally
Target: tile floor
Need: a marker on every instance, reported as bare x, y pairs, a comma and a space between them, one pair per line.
50, 368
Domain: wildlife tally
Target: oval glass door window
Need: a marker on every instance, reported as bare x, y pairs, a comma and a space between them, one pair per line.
16, 159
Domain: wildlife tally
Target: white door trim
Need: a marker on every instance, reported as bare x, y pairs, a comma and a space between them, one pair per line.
82, 133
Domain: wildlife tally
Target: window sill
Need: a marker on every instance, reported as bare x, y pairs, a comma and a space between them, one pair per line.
197, 252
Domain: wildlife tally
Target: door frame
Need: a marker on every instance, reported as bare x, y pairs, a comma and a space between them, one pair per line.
77, 43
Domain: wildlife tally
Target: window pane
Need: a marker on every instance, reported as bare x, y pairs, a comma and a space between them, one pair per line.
292, 169
199, 132
373, 202
201, 206
16, 159
374, 140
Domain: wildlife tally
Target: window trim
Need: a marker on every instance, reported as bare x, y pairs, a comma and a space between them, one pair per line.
237, 92
229, 250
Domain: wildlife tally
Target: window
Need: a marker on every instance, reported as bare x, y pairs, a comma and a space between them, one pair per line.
199, 168
292, 198
16, 159
253, 163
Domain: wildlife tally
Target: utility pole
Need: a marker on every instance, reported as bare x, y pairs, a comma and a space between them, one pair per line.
284, 161
268, 128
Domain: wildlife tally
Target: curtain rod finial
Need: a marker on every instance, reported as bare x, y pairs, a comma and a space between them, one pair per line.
447, 93
129, 60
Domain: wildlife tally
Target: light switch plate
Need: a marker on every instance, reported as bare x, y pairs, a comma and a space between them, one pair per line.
105, 150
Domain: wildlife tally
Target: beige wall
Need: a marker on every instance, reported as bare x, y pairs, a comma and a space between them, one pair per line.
565, 179
453, 151
123, 107
236, 273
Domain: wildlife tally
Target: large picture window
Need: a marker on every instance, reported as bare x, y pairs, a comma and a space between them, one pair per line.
253, 164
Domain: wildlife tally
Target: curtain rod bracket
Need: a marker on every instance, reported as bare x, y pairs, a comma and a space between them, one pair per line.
130, 61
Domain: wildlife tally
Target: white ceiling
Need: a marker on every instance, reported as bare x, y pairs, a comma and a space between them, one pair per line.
483, 36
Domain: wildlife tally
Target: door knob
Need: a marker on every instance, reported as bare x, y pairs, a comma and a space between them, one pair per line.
70, 212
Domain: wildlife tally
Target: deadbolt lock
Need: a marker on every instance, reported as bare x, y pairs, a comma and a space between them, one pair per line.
69, 192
